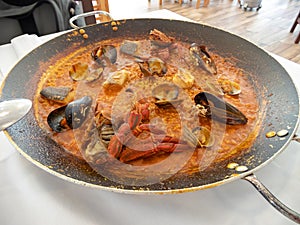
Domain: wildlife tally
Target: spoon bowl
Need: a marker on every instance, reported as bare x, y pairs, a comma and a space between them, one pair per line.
12, 111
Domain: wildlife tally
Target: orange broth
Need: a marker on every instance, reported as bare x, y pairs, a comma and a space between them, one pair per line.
230, 140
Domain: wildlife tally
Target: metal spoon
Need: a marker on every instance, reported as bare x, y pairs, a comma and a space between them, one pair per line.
13, 110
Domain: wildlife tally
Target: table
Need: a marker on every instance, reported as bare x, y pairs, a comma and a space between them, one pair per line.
30, 196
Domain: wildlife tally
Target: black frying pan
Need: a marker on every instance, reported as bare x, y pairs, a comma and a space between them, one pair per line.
272, 82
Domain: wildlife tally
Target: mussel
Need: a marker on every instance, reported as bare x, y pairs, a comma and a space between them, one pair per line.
77, 111
57, 120
58, 94
166, 95
216, 108
129, 47
134, 49
202, 58
70, 116
105, 53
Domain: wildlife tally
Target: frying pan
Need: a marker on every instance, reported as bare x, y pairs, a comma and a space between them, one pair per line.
271, 81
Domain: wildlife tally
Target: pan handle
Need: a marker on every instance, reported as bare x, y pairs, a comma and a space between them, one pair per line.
283, 209
296, 138
83, 15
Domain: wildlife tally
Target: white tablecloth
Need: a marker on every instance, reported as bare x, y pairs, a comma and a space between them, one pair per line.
30, 196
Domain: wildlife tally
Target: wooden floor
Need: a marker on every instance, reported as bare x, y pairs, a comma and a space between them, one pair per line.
268, 28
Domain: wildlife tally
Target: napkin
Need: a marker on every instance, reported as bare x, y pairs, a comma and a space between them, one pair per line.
24, 44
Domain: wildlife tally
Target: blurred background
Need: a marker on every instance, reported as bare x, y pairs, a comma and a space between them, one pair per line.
267, 23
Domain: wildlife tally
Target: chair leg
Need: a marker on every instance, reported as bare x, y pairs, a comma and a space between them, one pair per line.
87, 6
297, 39
295, 23
206, 2
160, 2
103, 5
198, 4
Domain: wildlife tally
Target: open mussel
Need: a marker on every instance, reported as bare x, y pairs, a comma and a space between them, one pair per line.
211, 106
166, 95
57, 120
70, 116
104, 54
202, 58
76, 111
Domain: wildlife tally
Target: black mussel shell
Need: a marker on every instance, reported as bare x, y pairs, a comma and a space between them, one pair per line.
129, 47
105, 52
55, 93
203, 58
77, 111
55, 119
219, 109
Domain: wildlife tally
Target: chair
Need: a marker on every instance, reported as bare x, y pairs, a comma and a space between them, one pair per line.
206, 2
87, 6
38, 17
297, 21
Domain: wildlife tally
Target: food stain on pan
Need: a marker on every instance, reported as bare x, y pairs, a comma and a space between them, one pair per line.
281, 133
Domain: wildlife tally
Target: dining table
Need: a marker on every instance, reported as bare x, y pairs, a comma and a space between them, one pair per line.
31, 196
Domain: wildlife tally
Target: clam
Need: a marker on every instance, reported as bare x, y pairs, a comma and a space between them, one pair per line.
58, 94
229, 87
202, 58
79, 71
216, 108
157, 66
198, 137
105, 53
70, 116
166, 94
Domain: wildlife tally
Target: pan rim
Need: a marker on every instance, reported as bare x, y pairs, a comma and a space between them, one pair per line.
187, 189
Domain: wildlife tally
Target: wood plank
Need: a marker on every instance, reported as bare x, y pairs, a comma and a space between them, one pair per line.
268, 28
